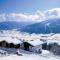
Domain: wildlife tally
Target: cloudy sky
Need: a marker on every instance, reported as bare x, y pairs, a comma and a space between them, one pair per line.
26, 10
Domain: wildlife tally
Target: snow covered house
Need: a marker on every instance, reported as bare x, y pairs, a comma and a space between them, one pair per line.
34, 45
8, 42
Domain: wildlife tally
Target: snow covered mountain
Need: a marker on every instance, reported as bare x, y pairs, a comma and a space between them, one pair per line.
50, 23
47, 26
8, 25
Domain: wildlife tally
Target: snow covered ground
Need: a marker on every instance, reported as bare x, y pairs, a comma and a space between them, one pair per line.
46, 55
29, 57
25, 55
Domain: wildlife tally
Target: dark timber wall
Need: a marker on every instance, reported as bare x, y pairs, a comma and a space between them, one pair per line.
9, 45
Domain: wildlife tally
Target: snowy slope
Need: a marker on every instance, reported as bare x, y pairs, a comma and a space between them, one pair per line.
28, 57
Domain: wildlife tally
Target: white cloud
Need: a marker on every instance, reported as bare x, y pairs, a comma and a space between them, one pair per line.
52, 13
21, 17
38, 16
2, 17
25, 17
41, 14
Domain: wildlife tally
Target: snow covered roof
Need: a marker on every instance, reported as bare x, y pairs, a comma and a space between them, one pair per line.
10, 40
35, 42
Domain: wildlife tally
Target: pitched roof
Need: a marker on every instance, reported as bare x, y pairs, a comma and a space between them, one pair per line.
35, 42
10, 40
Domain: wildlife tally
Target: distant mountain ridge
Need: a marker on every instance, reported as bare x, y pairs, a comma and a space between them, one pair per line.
47, 26
8, 25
